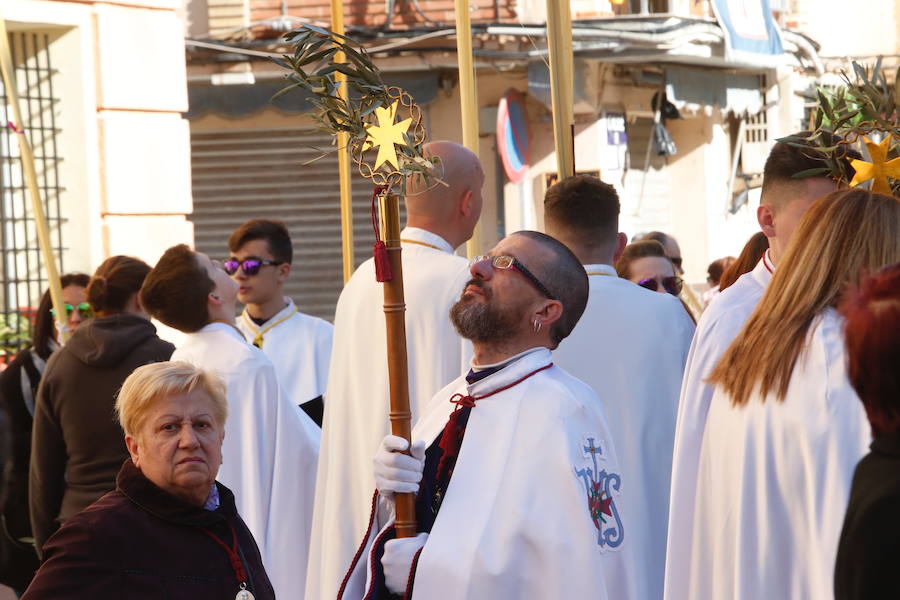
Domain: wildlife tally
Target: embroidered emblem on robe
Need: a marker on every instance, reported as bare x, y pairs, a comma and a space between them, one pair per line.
601, 487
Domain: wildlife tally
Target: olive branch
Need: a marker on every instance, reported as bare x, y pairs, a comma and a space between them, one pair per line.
865, 105
313, 68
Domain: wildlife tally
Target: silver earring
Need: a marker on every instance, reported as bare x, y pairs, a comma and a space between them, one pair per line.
537, 325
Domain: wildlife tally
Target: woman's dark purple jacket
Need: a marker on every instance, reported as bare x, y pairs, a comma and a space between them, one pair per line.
139, 542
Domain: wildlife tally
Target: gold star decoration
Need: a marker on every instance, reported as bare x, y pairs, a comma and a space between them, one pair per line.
879, 169
386, 134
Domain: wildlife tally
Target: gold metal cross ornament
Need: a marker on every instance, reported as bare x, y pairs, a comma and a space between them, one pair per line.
879, 169
386, 134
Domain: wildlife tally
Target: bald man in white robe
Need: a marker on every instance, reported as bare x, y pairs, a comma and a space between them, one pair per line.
440, 218
630, 347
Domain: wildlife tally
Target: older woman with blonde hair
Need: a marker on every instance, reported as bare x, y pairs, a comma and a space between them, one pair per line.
169, 530
785, 428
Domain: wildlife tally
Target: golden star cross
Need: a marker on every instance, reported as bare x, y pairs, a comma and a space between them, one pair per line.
386, 134
879, 169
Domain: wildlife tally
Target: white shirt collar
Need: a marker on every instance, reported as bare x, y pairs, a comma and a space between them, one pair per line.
212, 501
429, 238
600, 269
509, 360
516, 368
251, 324
762, 272
224, 327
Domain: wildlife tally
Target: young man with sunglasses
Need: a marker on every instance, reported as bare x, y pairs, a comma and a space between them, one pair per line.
271, 448
630, 347
783, 203
439, 219
518, 490
299, 345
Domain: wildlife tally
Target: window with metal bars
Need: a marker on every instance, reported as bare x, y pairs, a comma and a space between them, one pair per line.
22, 274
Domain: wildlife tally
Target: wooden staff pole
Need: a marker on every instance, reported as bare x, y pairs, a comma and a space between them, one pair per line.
398, 371
27, 156
468, 97
343, 141
559, 42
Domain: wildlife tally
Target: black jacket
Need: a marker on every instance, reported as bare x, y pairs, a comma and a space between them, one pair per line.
77, 446
869, 550
141, 543
18, 561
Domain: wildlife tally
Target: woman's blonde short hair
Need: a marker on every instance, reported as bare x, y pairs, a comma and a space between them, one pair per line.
155, 381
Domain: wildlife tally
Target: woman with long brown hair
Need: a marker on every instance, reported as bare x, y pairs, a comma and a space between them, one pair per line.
18, 389
785, 428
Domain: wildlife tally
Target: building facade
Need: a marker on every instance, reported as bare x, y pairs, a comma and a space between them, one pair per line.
251, 155
103, 91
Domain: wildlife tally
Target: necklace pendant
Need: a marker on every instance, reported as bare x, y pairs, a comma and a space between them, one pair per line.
244, 594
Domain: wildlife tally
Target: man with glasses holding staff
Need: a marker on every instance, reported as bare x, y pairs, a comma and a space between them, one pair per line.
440, 217
630, 346
299, 345
518, 490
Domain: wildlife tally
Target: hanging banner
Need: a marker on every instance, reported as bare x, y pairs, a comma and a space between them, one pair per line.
749, 27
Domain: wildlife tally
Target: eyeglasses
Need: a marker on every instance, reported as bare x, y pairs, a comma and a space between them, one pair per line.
672, 285
510, 263
84, 310
250, 266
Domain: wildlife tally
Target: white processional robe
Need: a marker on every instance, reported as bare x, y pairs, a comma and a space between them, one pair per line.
718, 327
269, 453
630, 346
774, 479
535, 505
356, 410
299, 346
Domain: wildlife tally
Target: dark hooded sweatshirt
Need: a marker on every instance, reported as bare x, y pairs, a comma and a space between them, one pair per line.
77, 445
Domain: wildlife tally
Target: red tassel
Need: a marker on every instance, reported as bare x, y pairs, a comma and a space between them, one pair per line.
451, 442
382, 263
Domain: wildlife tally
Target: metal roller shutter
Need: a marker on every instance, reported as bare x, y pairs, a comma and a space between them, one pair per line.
239, 174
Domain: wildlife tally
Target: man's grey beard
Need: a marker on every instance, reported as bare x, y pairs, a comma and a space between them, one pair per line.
482, 322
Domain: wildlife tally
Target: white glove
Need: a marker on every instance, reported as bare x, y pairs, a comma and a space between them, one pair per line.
396, 472
397, 561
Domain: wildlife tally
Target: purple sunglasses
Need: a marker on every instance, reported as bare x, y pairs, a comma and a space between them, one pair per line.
672, 285
250, 265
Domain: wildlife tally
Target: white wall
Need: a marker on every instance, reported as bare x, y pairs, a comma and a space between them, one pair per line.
125, 147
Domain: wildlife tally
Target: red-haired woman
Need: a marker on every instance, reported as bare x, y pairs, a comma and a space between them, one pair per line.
869, 550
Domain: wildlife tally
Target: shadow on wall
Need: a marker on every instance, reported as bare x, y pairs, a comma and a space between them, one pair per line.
689, 134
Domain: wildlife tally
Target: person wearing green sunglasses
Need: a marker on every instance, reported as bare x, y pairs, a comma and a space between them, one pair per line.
83, 309
18, 390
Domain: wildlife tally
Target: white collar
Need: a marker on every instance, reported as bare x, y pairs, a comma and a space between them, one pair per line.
516, 368
278, 318
762, 272
212, 500
600, 269
504, 362
426, 238
228, 328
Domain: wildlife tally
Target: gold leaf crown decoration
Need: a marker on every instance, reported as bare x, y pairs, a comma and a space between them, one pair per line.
369, 116
846, 120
